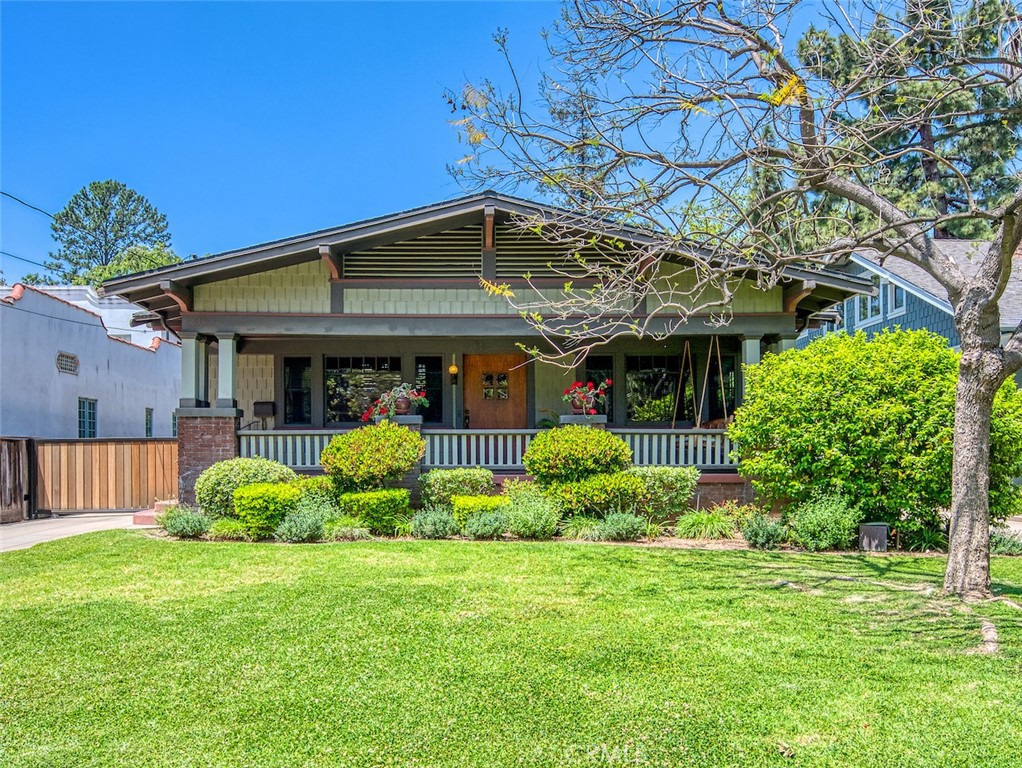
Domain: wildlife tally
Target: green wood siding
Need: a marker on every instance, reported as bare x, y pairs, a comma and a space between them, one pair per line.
302, 288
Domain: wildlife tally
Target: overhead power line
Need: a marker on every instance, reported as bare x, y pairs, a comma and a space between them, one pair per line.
22, 258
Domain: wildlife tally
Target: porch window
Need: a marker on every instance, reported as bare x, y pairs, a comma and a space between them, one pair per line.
297, 390
600, 368
657, 390
897, 298
351, 384
429, 376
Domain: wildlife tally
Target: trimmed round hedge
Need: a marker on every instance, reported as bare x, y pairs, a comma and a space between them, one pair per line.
572, 453
363, 459
214, 490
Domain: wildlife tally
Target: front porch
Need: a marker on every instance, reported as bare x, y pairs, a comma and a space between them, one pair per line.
500, 450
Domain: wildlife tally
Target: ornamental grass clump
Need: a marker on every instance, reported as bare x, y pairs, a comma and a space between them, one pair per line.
434, 523
572, 453
704, 525
365, 458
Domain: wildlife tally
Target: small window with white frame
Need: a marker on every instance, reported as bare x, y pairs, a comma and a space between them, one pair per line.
895, 299
870, 307
67, 363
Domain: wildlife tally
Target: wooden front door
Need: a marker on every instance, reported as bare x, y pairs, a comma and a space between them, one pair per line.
494, 389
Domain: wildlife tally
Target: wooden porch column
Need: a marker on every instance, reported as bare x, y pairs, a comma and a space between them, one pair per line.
227, 366
194, 362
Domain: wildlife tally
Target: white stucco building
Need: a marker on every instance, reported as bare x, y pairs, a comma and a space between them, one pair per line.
72, 366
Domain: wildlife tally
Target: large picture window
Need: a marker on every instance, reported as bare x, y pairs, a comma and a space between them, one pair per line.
657, 390
297, 390
429, 376
351, 384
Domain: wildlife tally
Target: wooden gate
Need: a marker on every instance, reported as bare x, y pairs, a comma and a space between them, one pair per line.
104, 474
14, 480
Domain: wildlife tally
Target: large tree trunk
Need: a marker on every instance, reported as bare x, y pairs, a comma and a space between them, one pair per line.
968, 564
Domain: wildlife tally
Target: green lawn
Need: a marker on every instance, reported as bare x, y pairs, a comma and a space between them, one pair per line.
117, 649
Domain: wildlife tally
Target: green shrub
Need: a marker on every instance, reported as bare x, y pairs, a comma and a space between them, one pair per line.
581, 527
1005, 542
303, 524
824, 522
403, 524
620, 526
228, 529
532, 517
572, 453
434, 523
261, 507
655, 529
184, 522
319, 488
513, 487
377, 510
215, 487
487, 525
704, 525
872, 419
437, 486
465, 507
925, 539
364, 458
739, 514
601, 495
668, 489
762, 532
346, 529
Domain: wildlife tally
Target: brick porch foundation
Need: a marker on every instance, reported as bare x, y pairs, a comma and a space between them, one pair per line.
202, 441
713, 489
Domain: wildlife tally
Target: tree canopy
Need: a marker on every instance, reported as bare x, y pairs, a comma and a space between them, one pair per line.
106, 229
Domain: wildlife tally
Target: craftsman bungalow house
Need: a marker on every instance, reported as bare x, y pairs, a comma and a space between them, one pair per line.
286, 342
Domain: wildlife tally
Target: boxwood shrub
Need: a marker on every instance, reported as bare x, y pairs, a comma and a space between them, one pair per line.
437, 486
465, 507
261, 507
215, 487
574, 452
600, 495
762, 532
377, 510
364, 458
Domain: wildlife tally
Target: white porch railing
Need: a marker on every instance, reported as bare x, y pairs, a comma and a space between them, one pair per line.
490, 448
499, 449
703, 448
298, 449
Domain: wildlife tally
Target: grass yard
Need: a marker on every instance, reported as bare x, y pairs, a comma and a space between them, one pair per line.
117, 649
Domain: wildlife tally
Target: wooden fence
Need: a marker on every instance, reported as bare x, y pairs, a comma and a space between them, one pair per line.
104, 474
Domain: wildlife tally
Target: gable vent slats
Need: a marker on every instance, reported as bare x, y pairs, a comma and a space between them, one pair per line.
520, 252
445, 254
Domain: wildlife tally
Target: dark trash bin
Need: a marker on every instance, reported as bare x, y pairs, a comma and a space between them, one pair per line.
873, 537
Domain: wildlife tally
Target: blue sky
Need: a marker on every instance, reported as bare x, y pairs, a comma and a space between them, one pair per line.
242, 122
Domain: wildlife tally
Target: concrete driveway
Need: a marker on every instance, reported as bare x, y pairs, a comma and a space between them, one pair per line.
23, 535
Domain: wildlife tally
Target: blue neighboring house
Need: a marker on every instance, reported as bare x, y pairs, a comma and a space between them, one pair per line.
909, 298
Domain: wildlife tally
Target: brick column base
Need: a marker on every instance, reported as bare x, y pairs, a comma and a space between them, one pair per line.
202, 441
717, 488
